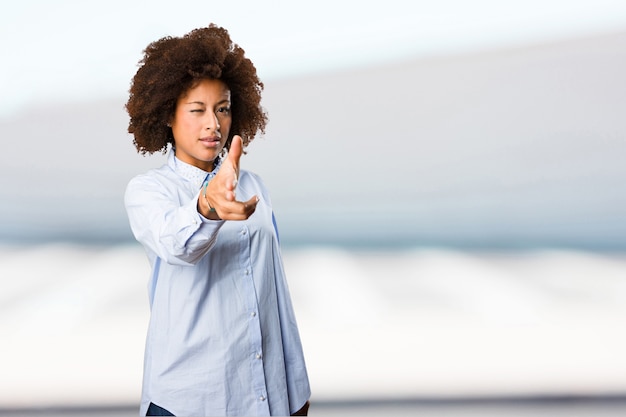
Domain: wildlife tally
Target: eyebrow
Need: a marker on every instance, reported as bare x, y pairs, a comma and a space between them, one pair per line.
202, 103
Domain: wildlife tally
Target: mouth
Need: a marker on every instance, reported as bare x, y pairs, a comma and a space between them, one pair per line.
211, 141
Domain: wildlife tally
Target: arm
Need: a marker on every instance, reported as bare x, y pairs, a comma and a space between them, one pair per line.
183, 234
176, 233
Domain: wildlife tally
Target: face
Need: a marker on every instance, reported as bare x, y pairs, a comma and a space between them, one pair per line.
201, 123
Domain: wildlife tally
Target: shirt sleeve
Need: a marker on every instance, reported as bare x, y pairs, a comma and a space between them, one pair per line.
175, 232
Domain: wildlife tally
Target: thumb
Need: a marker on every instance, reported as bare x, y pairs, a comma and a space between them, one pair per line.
234, 154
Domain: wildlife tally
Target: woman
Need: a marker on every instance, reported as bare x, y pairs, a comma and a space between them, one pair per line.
222, 337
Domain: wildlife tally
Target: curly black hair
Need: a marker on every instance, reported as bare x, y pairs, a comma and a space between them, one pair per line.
171, 66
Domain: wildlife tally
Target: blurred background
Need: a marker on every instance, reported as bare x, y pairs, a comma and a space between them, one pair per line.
447, 178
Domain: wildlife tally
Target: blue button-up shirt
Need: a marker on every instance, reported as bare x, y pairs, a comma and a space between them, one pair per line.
222, 337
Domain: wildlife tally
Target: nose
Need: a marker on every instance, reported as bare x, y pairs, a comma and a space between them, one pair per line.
212, 122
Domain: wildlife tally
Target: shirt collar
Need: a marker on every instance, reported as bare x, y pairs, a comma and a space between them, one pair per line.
191, 173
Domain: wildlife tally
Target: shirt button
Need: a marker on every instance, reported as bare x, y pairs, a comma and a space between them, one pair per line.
258, 356
253, 314
262, 398
247, 272
243, 231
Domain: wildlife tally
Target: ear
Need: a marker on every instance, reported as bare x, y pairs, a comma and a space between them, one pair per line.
171, 115
169, 134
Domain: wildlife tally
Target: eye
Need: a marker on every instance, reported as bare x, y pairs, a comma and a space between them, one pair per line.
197, 111
224, 110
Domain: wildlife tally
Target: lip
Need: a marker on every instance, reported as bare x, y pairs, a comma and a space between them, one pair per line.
211, 140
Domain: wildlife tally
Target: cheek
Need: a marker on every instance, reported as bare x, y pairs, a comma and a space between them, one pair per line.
182, 125
225, 127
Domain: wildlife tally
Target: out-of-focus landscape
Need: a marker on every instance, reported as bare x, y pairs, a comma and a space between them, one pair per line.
452, 214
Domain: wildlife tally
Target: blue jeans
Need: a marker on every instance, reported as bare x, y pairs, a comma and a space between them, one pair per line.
155, 410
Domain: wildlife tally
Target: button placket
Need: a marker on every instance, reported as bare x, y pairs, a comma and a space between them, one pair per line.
258, 385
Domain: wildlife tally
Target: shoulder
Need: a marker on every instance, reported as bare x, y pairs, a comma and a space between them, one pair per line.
161, 178
252, 181
163, 174
250, 178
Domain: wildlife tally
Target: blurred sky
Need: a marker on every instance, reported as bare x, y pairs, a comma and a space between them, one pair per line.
71, 49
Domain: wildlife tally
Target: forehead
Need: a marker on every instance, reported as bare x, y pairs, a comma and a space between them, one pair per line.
208, 89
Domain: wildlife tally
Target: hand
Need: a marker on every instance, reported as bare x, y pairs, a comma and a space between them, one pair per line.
221, 191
